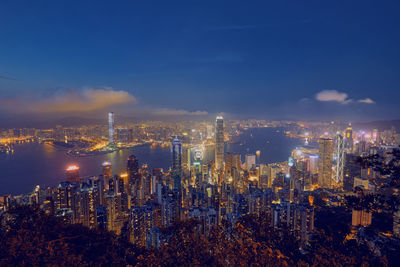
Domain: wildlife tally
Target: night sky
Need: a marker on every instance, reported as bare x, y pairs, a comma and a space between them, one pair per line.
262, 59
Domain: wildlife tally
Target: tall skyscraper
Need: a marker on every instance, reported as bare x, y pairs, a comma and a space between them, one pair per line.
72, 174
232, 160
250, 161
349, 139
219, 143
133, 173
325, 162
339, 153
176, 171
107, 174
111, 127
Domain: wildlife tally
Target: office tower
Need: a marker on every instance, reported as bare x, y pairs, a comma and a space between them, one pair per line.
339, 153
349, 139
89, 200
250, 161
107, 174
274, 171
313, 167
351, 169
176, 157
232, 160
176, 171
72, 174
219, 143
113, 204
64, 195
325, 162
186, 159
361, 217
111, 127
133, 173
101, 217
291, 189
125, 180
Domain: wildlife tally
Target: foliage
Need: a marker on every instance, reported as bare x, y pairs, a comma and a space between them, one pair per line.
31, 238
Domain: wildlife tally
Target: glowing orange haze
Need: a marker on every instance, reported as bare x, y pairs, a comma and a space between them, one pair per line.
86, 100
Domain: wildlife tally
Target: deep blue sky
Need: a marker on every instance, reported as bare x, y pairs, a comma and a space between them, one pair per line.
264, 59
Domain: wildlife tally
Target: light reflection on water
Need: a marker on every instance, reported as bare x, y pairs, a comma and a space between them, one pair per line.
44, 164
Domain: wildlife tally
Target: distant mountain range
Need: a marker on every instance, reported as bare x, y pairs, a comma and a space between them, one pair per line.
37, 122
26, 122
380, 125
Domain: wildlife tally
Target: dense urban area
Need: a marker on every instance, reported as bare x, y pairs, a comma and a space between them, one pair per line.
335, 200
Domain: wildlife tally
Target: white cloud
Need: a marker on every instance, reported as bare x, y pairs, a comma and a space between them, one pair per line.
333, 96
366, 101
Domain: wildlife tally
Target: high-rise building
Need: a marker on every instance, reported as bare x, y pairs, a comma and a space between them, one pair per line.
219, 143
250, 161
107, 174
133, 173
72, 174
313, 168
339, 154
111, 127
176, 157
186, 159
325, 162
349, 139
232, 160
176, 171
361, 217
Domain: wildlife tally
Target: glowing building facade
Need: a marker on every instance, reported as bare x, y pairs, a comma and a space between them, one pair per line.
325, 162
176, 171
107, 174
72, 174
219, 143
339, 154
133, 173
111, 129
349, 139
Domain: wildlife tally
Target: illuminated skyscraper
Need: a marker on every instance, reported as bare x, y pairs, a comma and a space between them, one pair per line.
72, 174
325, 162
186, 159
133, 173
349, 138
250, 161
339, 153
111, 127
176, 171
232, 160
107, 174
219, 143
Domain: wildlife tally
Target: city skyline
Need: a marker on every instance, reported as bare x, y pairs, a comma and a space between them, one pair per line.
266, 60
199, 133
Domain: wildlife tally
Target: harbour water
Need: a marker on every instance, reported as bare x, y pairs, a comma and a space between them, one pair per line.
34, 164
